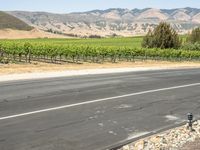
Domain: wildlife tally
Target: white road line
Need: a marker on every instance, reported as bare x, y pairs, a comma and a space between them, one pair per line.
97, 100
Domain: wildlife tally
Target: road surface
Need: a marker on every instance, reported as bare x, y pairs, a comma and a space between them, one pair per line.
94, 111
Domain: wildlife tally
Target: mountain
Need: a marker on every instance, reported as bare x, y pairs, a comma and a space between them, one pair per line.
11, 22
110, 22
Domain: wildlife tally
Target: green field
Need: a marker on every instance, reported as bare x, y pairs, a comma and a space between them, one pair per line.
131, 42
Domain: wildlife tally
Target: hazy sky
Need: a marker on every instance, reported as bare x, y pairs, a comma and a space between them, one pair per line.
65, 6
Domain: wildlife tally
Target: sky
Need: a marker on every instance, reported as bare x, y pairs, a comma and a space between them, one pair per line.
66, 6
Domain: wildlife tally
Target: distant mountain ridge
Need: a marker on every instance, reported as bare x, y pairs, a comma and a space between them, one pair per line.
110, 22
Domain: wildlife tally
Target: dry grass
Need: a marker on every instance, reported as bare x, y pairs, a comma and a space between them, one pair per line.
20, 34
44, 67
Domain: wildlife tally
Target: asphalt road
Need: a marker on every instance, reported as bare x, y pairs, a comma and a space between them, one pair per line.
96, 111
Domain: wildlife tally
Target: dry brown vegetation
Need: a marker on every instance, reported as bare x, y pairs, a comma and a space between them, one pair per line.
20, 34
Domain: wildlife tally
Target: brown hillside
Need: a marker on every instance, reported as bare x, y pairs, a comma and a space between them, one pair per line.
19, 34
11, 22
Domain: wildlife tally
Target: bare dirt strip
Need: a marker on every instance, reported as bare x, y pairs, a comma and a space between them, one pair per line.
36, 67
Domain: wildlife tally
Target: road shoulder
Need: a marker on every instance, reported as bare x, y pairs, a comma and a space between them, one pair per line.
178, 138
12, 72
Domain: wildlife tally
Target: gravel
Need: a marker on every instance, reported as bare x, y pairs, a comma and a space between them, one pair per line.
180, 138
192, 145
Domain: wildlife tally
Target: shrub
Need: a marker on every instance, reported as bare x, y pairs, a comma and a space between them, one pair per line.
194, 37
163, 36
191, 46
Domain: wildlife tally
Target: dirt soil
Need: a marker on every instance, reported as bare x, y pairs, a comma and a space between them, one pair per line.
46, 67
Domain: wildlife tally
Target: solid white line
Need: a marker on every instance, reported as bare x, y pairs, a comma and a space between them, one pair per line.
97, 100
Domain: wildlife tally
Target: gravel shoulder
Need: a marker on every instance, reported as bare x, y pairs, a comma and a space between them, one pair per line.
180, 138
195, 145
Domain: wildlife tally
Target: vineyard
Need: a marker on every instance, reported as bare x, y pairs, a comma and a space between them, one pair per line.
131, 42
27, 51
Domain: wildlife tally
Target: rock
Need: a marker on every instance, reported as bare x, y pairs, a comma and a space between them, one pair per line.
126, 147
163, 140
195, 123
155, 139
139, 145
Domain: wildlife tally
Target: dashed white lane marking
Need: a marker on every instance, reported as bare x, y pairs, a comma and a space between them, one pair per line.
97, 100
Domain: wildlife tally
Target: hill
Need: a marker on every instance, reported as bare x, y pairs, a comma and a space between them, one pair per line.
14, 28
32, 34
110, 22
11, 22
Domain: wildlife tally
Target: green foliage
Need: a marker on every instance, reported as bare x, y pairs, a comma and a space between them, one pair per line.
148, 40
9, 21
163, 36
190, 46
41, 51
131, 42
194, 37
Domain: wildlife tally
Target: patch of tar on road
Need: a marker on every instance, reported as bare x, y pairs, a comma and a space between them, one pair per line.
128, 130
100, 112
171, 118
93, 117
5, 100
100, 107
112, 132
113, 121
2, 140
101, 124
123, 106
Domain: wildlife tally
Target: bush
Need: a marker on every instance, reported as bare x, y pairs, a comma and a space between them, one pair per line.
95, 36
148, 40
190, 46
163, 36
194, 37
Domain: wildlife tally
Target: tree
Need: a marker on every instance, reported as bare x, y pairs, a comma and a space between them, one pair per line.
163, 36
148, 40
194, 37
